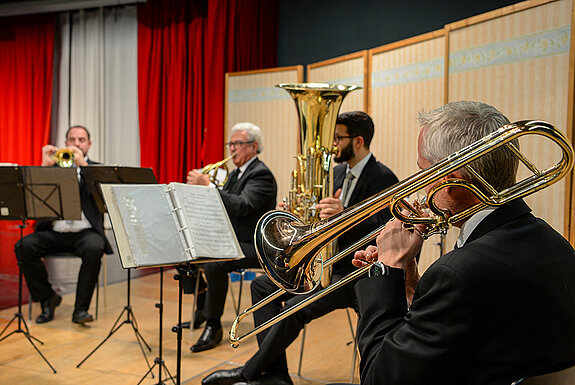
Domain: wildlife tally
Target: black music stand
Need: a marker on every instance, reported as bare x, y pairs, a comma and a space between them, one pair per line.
94, 176
26, 194
158, 360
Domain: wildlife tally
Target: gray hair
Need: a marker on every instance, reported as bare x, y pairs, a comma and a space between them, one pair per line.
253, 131
456, 125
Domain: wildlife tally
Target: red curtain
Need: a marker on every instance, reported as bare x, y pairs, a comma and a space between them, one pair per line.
184, 50
26, 67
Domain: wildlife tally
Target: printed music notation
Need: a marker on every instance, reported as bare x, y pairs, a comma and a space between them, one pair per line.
157, 225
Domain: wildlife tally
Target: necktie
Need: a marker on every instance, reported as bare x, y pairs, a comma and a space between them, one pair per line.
232, 179
347, 186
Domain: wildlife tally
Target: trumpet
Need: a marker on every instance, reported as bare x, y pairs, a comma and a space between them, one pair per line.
64, 157
287, 248
212, 171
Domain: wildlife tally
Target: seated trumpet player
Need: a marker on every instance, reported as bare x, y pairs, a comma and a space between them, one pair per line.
249, 192
365, 177
84, 237
499, 307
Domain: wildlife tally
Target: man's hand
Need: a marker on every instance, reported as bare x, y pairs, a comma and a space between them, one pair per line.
78, 156
47, 154
363, 257
397, 247
330, 206
197, 178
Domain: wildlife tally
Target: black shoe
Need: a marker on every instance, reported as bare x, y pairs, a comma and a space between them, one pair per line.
199, 319
48, 307
267, 380
209, 339
81, 317
224, 377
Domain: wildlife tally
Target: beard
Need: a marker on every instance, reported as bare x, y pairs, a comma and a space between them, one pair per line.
345, 154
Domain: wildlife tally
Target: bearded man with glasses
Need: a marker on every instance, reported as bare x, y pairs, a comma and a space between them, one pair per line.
249, 193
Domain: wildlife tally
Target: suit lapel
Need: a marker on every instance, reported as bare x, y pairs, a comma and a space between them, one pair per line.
338, 176
363, 179
239, 185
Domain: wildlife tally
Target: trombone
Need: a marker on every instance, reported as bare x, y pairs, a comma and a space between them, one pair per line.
287, 249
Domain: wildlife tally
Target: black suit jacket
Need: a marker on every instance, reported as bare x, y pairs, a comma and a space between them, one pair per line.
374, 178
251, 196
499, 308
90, 210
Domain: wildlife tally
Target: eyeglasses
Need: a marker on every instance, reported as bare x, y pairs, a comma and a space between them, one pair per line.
239, 143
338, 138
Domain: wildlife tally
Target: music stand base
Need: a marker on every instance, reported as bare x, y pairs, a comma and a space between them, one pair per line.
161, 365
21, 321
131, 320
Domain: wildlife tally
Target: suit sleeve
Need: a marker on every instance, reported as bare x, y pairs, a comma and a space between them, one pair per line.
257, 192
422, 345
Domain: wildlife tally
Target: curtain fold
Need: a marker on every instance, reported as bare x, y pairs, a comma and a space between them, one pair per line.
26, 69
98, 82
184, 50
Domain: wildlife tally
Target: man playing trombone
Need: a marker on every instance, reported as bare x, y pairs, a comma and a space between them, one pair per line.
499, 307
360, 176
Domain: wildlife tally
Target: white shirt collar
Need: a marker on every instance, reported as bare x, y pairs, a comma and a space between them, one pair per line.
472, 223
244, 166
358, 168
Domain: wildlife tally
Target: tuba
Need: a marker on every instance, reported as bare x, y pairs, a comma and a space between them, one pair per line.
290, 247
318, 106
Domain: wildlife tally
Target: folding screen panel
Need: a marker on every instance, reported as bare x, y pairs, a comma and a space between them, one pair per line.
406, 77
518, 60
348, 70
253, 97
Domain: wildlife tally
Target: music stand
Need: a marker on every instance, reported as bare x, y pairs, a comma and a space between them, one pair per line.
158, 360
36, 193
94, 176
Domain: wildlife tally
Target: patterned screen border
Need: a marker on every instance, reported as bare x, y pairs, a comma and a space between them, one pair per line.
253, 97
350, 69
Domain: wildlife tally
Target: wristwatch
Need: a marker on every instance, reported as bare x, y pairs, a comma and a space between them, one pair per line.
378, 268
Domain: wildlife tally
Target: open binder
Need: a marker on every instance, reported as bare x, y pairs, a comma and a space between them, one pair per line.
158, 224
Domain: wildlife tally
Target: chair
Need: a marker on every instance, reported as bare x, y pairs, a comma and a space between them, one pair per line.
243, 272
561, 377
354, 341
64, 276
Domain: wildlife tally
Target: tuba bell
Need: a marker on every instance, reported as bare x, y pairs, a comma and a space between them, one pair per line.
318, 106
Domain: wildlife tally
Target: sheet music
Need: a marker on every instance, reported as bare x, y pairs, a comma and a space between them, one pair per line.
207, 220
150, 224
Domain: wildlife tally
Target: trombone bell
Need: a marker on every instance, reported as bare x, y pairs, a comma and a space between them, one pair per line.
276, 232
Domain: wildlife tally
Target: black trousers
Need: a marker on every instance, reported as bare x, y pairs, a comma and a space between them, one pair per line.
271, 358
217, 280
87, 244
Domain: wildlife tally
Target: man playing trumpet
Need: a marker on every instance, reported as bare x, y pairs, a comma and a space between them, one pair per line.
499, 307
84, 237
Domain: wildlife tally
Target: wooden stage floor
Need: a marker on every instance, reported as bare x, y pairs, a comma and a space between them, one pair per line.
327, 353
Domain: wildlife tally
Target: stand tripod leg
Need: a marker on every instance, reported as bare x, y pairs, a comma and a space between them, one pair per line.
130, 319
18, 316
